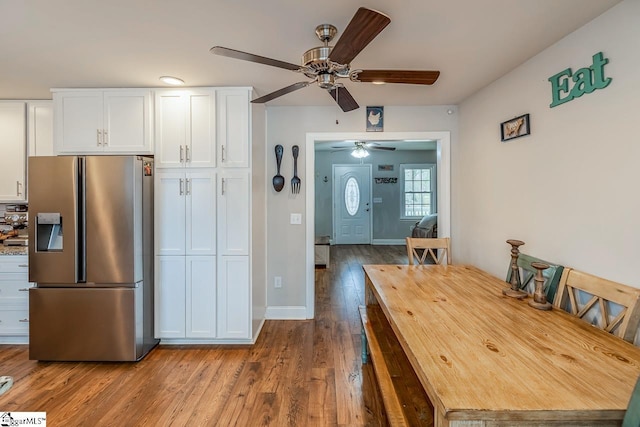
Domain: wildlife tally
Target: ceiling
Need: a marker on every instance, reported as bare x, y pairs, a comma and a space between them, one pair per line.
130, 43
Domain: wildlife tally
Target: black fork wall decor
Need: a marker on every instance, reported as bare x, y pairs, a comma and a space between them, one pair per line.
295, 181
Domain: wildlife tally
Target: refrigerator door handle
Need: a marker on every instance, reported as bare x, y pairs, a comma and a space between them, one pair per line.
81, 268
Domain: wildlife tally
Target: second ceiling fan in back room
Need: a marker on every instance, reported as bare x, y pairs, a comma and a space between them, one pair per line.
326, 64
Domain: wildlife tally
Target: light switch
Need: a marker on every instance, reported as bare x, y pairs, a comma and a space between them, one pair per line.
296, 218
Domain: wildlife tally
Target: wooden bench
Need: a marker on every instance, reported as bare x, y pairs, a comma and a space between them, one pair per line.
322, 250
405, 402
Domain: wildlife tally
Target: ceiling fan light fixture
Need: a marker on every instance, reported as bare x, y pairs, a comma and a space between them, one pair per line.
378, 83
173, 81
359, 152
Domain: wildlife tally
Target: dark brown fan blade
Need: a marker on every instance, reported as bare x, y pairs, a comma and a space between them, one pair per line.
395, 76
365, 25
381, 148
231, 53
280, 92
344, 99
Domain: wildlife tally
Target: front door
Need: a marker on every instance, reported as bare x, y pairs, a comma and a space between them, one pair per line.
352, 204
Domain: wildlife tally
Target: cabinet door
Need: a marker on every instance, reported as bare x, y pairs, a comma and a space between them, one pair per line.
200, 192
233, 213
201, 297
78, 121
171, 128
233, 127
234, 300
13, 130
201, 148
127, 125
170, 291
40, 128
170, 218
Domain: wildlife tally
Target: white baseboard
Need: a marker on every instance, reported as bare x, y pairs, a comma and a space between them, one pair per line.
286, 313
388, 242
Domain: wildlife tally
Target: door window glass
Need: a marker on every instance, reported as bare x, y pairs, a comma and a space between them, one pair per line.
352, 196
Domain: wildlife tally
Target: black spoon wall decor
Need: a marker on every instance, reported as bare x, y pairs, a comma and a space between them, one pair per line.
278, 180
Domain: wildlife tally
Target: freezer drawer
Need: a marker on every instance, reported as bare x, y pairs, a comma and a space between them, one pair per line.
86, 324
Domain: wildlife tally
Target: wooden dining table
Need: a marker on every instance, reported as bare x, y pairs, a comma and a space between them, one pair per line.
485, 359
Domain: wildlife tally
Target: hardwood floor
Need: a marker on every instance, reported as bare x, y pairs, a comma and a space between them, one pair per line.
299, 373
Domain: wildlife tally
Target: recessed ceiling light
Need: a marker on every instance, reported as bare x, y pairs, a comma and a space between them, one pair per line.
173, 81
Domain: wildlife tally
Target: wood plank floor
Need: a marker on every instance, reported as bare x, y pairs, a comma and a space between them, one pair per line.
299, 373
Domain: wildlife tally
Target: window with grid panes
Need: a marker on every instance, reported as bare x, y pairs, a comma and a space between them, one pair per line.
418, 190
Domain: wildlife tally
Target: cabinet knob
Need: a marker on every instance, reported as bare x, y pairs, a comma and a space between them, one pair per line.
105, 137
188, 155
181, 186
18, 191
223, 186
99, 137
222, 148
181, 154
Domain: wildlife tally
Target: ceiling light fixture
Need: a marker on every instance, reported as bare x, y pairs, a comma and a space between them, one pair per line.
359, 152
173, 81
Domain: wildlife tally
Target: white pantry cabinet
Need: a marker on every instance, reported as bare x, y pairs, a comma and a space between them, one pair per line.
13, 139
185, 220
14, 299
185, 128
185, 297
204, 272
109, 121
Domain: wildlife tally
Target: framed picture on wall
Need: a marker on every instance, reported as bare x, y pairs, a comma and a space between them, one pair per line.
515, 128
375, 119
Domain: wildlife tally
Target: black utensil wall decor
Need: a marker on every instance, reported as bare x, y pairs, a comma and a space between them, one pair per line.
295, 181
278, 180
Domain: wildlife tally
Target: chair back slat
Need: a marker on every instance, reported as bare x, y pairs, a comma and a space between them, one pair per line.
419, 248
603, 294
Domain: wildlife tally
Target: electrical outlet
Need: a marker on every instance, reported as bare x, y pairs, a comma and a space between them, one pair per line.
277, 282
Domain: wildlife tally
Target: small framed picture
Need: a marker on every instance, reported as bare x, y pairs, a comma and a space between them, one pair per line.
515, 128
375, 119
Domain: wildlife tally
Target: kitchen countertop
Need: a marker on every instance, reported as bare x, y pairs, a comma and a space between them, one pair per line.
14, 250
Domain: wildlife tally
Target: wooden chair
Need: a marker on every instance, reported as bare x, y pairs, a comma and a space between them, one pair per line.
632, 416
442, 244
608, 305
527, 272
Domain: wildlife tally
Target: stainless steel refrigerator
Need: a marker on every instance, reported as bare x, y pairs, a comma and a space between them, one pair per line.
91, 258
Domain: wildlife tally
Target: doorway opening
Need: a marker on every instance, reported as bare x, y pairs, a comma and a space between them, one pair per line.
442, 142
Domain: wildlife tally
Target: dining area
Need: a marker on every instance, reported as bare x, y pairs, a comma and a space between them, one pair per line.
482, 351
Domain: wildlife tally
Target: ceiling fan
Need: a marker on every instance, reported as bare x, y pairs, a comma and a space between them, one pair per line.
362, 148
326, 64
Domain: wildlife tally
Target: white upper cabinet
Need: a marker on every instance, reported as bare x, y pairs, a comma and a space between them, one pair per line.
102, 121
233, 127
13, 140
185, 128
40, 128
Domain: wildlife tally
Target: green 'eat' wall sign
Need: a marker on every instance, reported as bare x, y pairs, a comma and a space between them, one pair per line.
585, 80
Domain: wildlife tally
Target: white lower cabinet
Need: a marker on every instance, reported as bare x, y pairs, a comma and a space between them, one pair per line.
14, 299
185, 297
234, 316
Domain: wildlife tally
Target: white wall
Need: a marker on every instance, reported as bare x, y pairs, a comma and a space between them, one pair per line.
289, 126
570, 189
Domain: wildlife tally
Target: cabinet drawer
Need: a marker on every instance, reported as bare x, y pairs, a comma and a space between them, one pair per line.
14, 264
14, 291
14, 321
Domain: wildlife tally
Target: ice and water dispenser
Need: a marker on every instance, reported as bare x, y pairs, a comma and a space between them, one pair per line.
48, 232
